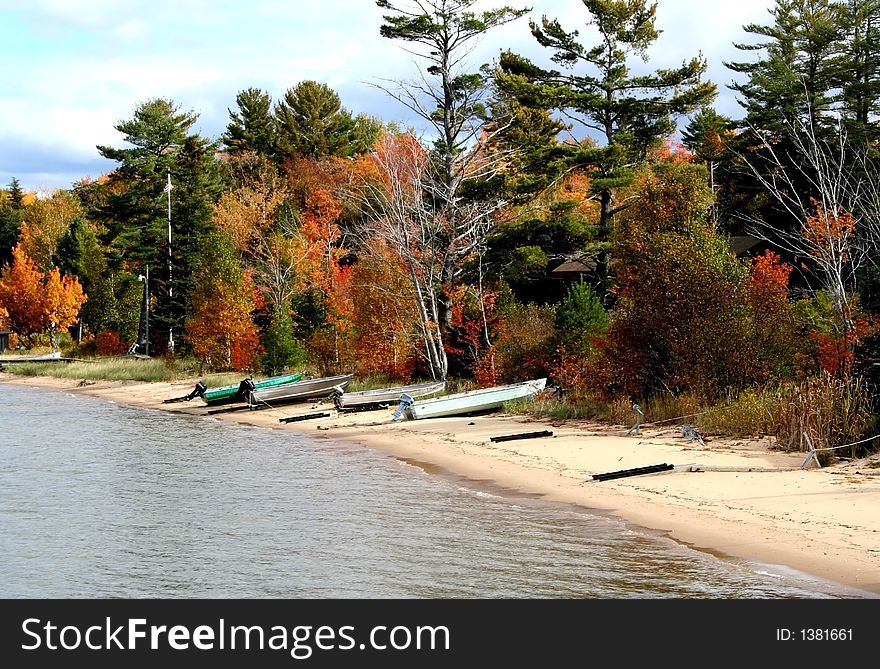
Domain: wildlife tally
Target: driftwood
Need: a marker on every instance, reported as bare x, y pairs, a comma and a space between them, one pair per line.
623, 473
308, 416
522, 435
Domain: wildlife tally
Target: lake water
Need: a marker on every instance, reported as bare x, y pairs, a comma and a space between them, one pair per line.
99, 500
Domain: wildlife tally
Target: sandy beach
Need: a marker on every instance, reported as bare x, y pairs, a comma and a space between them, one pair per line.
730, 497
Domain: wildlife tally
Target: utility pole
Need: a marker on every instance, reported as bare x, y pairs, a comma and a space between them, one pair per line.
168, 188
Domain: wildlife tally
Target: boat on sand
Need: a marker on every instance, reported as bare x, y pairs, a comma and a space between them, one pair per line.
471, 401
238, 392
298, 391
380, 398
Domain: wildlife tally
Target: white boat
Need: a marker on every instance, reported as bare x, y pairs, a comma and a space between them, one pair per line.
299, 390
383, 397
472, 401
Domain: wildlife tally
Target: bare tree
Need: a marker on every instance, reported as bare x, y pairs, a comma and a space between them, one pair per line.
838, 225
442, 34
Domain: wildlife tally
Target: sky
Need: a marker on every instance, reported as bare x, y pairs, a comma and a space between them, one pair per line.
74, 69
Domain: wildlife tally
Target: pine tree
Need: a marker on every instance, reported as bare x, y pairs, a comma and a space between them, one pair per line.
134, 210
858, 69
253, 127
313, 123
795, 75
11, 215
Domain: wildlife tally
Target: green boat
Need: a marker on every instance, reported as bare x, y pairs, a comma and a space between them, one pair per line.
237, 393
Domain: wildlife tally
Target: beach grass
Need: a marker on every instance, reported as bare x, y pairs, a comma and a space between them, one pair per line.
102, 369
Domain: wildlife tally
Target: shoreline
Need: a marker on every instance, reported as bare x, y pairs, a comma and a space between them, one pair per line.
747, 501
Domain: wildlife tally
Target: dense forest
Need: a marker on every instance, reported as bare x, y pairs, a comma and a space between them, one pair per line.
584, 217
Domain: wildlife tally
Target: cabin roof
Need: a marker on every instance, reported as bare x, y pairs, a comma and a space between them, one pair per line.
571, 268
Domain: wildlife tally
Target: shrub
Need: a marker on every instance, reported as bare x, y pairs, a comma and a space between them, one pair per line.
822, 410
109, 343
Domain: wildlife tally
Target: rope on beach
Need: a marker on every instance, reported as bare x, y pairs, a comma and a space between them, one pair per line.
855, 443
639, 424
672, 420
811, 455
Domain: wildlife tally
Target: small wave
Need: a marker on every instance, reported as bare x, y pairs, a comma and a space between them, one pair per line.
763, 572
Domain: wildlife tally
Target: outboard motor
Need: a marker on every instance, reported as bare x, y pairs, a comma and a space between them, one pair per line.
335, 394
245, 388
405, 401
198, 391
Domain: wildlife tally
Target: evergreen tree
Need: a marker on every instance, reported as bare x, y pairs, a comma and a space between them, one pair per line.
858, 69
795, 76
11, 216
629, 113
135, 210
708, 135
253, 127
579, 319
817, 66
283, 350
80, 254
313, 123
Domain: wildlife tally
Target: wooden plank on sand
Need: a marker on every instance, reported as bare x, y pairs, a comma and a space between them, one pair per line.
291, 419
650, 469
522, 435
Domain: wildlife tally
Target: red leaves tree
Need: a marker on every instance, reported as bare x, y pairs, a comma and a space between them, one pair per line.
773, 323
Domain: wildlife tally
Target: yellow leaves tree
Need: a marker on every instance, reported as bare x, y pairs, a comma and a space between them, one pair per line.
46, 219
38, 302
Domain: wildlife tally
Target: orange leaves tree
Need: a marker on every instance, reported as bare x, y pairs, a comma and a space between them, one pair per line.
38, 302
383, 317
220, 329
774, 333
62, 300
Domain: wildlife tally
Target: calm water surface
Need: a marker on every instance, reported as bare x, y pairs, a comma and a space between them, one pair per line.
100, 500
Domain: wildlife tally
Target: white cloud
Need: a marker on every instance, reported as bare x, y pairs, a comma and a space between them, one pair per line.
91, 62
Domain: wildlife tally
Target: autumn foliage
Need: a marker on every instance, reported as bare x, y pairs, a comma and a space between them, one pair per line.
220, 330
37, 302
383, 317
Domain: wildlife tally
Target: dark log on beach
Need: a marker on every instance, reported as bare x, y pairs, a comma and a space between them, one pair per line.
522, 435
291, 419
633, 472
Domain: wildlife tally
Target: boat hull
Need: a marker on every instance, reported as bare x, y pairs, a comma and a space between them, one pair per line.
226, 394
384, 396
300, 390
474, 401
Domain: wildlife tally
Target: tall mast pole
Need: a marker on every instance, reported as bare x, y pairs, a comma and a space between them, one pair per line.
147, 314
170, 289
